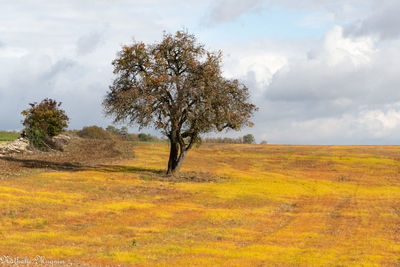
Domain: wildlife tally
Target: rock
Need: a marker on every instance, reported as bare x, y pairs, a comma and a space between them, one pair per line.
18, 146
59, 142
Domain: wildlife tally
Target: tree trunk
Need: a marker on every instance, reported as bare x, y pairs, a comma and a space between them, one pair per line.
176, 156
173, 156
180, 160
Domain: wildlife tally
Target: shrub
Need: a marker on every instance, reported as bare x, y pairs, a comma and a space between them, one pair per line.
112, 129
95, 132
131, 137
223, 140
248, 139
147, 138
43, 121
122, 134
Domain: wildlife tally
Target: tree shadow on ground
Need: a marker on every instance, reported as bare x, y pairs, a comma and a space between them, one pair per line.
128, 169
76, 166
44, 164
142, 173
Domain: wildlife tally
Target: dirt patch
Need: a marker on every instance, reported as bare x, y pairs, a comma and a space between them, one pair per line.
79, 154
194, 177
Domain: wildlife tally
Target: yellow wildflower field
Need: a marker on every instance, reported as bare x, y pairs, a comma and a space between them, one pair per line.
253, 205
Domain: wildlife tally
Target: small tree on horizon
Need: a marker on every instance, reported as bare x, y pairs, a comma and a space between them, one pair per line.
43, 121
248, 139
177, 87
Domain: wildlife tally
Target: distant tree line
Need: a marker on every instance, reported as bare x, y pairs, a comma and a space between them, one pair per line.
114, 133
246, 139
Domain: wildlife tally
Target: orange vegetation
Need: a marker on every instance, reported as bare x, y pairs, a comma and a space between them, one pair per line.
265, 205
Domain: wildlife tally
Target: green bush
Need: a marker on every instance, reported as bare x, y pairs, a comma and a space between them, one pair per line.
95, 132
43, 121
146, 137
122, 134
248, 139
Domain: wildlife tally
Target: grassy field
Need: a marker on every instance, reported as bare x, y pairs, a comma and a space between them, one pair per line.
8, 136
234, 205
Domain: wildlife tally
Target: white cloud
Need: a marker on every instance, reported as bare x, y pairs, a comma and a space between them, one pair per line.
379, 122
12, 52
343, 92
258, 63
340, 48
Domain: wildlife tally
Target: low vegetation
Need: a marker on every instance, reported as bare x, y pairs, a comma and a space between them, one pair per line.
8, 136
231, 205
43, 121
246, 139
95, 132
113, 133
79, 154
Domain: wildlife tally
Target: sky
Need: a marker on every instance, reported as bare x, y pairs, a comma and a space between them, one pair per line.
320, 71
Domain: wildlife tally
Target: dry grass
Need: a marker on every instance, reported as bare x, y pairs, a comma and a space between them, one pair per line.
234, 205
80, 154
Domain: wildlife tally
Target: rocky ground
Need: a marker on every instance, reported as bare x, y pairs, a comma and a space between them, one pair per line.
21, 145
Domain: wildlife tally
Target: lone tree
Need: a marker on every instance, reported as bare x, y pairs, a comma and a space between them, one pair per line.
177, 87
249, 139
43, 121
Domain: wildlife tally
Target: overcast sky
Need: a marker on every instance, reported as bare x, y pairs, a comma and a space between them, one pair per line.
320, 71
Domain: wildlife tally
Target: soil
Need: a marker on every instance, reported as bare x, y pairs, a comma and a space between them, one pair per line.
78, 154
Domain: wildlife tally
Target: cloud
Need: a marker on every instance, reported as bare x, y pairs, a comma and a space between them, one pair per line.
88, 43
383, 22
255, 64
342, 91
60, 66
340, 48
380, 122
11, 52
229, 10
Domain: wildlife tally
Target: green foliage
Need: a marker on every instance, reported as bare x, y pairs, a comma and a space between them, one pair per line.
223, 140
8, 136
112, 129
246, 139
36, 137
147, 137
249, 139
122, 134
95, 132
43, 121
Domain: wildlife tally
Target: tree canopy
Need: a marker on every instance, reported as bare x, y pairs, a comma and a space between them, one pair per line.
44, 120
177, 87
249, 139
